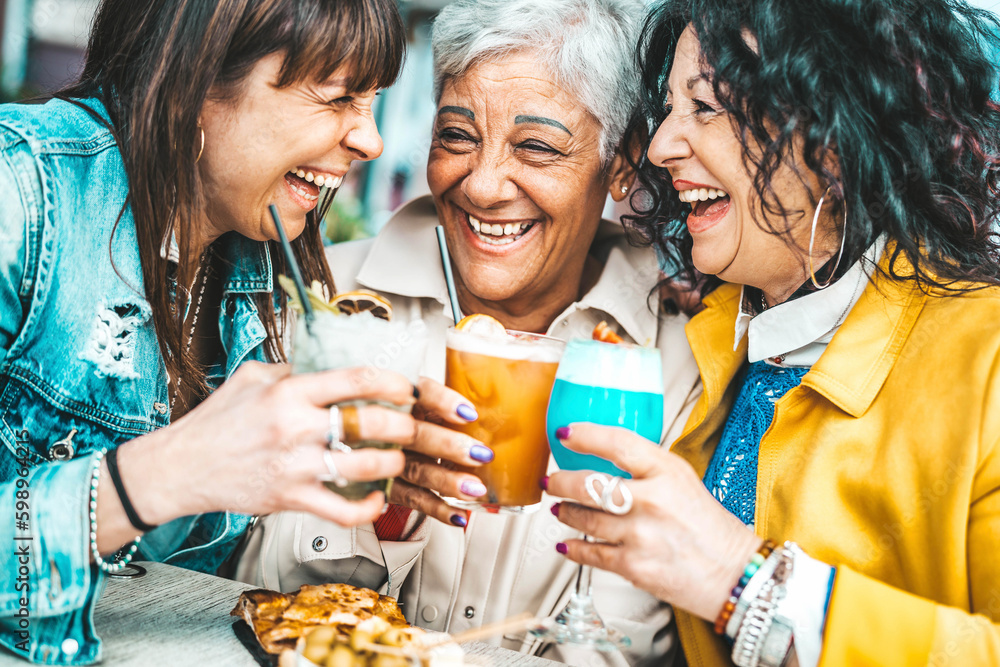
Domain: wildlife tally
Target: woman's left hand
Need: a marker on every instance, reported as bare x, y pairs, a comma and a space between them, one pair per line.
677, 542
436, 450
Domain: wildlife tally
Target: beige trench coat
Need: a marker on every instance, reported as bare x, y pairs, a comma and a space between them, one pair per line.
448, 579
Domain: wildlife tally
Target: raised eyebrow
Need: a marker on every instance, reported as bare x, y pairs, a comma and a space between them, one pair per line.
695, 79
542, 120
461, 111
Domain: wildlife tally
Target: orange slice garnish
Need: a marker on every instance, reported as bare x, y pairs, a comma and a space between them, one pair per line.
603, 333
363, 301
482, 325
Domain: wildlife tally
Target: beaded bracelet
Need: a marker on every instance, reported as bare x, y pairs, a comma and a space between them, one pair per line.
734, 595
118, 565
749, 593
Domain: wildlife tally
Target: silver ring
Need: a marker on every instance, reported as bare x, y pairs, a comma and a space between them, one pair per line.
334, 475
608, 500
335, 434
605, 497
590, 483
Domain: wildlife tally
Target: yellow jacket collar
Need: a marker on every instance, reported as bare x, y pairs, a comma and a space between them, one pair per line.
851, 371
856, 363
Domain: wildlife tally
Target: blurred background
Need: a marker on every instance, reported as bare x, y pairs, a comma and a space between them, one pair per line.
42, 49
42, 45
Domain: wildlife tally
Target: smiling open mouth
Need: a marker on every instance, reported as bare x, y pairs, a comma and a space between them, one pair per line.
309, 185
498, 233
705, 202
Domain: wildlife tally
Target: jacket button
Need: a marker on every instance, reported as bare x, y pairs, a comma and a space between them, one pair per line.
319, 544
70, 647
61, 451
160, 407
470, 612
429, 613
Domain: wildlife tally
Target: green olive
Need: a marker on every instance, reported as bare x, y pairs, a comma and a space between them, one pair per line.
394, 637
340, 656
360, 640
316, 651
323, 634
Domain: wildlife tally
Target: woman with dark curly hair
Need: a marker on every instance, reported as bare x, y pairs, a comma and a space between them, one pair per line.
828, 171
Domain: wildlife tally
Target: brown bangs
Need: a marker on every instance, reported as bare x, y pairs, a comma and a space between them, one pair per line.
324, 35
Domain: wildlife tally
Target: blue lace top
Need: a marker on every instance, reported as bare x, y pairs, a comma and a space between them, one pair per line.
732, 472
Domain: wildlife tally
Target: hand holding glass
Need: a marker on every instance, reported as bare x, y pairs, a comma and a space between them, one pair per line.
612, 385
347, 341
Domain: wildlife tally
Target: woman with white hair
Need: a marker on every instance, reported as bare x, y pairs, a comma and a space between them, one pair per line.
533, 99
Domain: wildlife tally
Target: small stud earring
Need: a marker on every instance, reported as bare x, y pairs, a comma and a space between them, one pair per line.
624, 189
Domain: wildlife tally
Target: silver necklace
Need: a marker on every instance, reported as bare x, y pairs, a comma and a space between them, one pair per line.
203, 277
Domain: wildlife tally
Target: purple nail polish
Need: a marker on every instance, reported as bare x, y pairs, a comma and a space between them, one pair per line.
544, 483
562, 433
562, 548
481, 453
459, 520
474, 489
467, 412
555, 510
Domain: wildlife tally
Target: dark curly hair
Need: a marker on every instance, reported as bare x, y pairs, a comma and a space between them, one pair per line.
898, 90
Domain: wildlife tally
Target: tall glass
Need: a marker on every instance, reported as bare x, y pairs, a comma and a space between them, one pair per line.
509, 381
612, 385
361, 340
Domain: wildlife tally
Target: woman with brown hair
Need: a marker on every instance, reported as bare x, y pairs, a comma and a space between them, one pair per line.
137, 274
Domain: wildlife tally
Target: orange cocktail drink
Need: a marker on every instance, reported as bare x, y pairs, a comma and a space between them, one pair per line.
509, 380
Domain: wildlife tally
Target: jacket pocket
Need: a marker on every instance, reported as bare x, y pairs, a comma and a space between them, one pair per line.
41, 425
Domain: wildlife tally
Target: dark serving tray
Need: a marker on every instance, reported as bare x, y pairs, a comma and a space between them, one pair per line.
246, 636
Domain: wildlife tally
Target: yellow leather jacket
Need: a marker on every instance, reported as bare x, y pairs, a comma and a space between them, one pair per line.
885, 462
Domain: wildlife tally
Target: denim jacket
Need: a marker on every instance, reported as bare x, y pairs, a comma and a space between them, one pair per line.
81, 370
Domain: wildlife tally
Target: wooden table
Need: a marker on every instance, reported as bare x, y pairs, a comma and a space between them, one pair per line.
173, 616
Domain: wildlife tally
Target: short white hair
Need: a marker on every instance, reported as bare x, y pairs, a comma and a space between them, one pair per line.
588, 45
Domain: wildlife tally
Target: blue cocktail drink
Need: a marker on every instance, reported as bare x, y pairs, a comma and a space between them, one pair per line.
612, 385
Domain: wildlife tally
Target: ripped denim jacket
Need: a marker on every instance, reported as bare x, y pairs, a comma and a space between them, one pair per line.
81, 370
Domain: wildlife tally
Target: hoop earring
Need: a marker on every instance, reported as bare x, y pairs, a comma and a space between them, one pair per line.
812, 239
202, 149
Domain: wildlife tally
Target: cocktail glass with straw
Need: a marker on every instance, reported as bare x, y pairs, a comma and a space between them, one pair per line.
326, 340
508, 377
613, 385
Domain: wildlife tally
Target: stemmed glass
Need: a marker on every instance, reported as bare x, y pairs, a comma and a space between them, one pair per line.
613, 385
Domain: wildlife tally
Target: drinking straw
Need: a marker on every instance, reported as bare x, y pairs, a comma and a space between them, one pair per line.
449, 279
293, 266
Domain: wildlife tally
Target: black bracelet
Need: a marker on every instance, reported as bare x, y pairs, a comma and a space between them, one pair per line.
116, 479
